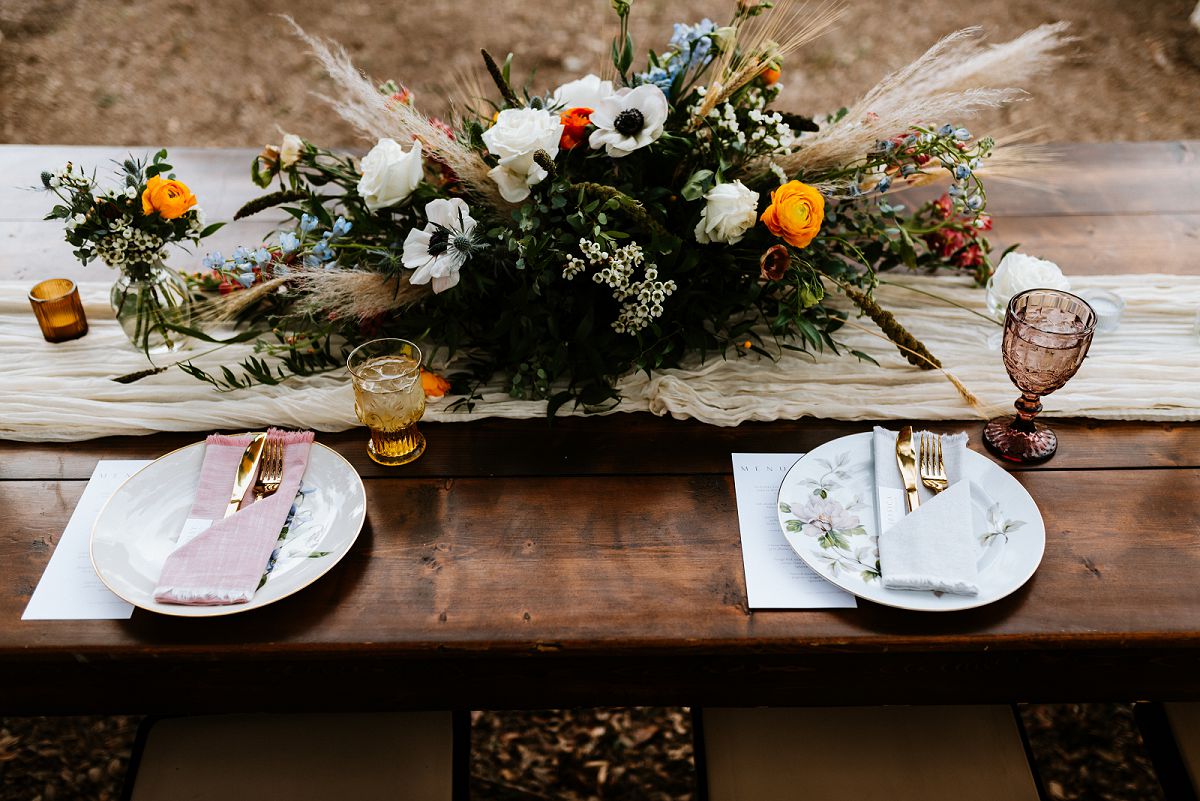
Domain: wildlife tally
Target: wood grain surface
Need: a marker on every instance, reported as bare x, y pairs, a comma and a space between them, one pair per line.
597, 561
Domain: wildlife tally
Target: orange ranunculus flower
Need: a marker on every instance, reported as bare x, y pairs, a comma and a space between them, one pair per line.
575, 122
169, 198
770, 76
434, 385
795, 214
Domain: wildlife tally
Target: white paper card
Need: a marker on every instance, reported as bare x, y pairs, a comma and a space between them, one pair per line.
776, 578
70, 589
192, 527
892, 504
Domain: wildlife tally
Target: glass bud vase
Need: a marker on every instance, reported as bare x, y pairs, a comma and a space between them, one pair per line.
148, 299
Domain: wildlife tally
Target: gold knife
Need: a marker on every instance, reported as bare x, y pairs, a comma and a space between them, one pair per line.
245, 472
906, 459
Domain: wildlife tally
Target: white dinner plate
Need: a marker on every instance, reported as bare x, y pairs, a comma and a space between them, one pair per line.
1005, 521
138, 527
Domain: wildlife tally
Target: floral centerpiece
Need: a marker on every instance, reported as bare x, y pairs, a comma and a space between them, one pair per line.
623, 221
128, 227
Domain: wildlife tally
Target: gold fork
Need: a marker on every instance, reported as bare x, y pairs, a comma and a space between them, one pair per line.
933, 468
270, 472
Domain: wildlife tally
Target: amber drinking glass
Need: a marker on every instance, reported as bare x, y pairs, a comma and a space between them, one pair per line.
1047, 333
389, 398
58, 309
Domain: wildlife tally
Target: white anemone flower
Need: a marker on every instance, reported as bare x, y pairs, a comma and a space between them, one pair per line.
629, 120
438, 252
585, 92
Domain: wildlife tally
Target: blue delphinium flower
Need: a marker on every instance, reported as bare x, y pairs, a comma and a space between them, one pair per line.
240, 253
691, 49
693, 43
946, 129
214, 260
246, 279
323, 252
662, 77
962, 134
262, 256
341, 227
885, 183
962, 172
307, 223
289, 242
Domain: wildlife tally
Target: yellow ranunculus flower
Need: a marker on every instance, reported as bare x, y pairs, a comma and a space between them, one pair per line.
795, 214
169, 198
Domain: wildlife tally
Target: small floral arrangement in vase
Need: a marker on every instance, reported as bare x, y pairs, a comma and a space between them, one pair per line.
128, 228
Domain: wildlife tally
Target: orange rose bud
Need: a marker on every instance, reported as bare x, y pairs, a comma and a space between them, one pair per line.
795, 214
434, 385
774, 263
770, 76
169, 198
575, 122
269, 158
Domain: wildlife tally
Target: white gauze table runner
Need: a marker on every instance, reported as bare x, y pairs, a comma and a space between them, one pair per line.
1149, 369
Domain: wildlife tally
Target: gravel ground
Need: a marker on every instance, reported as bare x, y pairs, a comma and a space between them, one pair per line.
1083, 752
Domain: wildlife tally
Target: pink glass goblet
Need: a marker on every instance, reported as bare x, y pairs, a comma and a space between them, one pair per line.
1047, 333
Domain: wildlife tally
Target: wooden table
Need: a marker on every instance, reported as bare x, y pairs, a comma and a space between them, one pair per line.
597, 561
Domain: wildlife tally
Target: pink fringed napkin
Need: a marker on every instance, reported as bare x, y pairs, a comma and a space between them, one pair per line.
222, 562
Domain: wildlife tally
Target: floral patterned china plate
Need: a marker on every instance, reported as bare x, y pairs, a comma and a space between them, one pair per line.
137, 529
826, 509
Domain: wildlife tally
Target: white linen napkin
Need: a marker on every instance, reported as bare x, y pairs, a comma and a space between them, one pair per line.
932, 548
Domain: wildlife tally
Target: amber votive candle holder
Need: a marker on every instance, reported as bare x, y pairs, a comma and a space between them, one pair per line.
58, 309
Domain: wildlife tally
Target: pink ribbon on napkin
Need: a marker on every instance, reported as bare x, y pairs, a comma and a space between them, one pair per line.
224, 563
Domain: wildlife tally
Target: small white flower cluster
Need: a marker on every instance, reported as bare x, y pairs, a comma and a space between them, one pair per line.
197, 223
779, 173
641, 301
772, 131
68, 178
129, 245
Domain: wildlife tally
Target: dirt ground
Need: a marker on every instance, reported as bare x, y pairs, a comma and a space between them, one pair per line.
227, 72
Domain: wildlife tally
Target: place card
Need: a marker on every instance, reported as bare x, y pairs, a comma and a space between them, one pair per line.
69, 588
776, 578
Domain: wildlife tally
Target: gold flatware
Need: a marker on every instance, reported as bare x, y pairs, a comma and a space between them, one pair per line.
245, 472
270, 476
906, 459
933, 467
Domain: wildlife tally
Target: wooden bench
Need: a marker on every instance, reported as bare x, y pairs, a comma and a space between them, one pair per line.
413, 756
1171, 732
890, 753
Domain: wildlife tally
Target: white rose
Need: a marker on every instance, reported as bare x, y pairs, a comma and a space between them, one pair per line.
289, 151
731, 210
1018, 272
389, 175
587, 92
518, 134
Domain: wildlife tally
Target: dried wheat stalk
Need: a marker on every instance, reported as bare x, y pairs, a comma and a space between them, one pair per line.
953, 81
364, 107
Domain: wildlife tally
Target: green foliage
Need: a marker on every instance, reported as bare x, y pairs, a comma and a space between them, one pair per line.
536, 306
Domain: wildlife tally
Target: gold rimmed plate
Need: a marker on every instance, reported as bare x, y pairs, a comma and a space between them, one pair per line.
139, 525
827, 512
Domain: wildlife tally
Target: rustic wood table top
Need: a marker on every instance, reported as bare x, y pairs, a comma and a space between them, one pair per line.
597, 561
